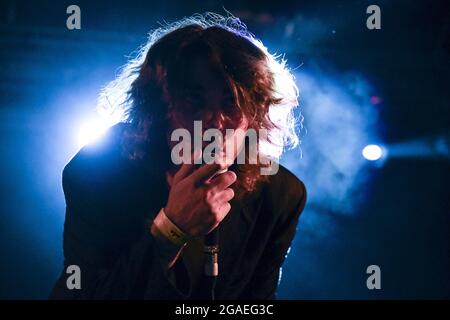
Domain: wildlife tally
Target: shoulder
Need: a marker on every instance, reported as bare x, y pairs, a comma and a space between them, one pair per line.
285, 193
96, 163
285, 186
101, 149
287, 183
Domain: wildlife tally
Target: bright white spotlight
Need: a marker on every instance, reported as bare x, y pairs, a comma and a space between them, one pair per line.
91, 131
372, 152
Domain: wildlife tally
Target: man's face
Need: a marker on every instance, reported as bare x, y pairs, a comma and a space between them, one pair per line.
209, 100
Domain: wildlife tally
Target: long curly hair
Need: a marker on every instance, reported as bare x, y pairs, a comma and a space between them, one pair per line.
149, 85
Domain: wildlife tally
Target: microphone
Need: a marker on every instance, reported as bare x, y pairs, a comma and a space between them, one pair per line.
211, 250
211, 267
211, 246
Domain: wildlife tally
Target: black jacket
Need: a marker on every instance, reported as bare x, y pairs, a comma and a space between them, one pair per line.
109, 203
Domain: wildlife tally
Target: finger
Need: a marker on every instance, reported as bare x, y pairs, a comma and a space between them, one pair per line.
205, 172
223, 211
217, 218
223, 181
187, 168
183, 172
225, 195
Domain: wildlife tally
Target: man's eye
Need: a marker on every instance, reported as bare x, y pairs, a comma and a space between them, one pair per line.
230, 104
229, 100
230, 107
194, 99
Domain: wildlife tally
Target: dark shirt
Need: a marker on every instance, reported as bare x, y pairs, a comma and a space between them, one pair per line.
110, 202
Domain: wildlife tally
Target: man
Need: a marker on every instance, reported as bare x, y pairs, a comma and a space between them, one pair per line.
137, 220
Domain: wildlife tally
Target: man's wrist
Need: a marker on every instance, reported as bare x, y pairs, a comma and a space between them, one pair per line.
162, 226
167, 249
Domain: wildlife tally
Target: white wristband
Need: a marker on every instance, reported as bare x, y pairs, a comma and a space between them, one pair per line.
169, 230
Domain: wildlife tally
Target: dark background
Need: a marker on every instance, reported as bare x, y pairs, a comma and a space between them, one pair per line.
358, 86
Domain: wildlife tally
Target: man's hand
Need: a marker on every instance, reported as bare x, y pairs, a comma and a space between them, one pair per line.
197, 203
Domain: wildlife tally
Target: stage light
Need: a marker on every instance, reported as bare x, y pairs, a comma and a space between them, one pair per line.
91, 131
372, 152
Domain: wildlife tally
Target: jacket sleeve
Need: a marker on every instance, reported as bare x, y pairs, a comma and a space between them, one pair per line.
266, 276
136, 273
